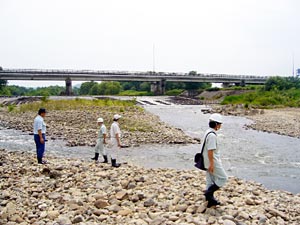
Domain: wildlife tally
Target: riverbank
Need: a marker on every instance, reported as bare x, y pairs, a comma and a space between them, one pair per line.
75, 122
70, 191
283, 121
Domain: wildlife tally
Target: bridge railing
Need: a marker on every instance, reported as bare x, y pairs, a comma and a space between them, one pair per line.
129, 73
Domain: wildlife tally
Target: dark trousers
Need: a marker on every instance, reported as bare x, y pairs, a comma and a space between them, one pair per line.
40, 148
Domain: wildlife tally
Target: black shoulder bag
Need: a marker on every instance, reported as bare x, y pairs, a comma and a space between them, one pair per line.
199, 161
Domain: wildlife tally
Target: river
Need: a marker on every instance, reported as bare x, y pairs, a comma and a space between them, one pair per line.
270, 159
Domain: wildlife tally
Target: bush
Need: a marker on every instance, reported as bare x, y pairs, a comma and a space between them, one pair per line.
233, 99
45, 98
11, 108
135, 93
213, 89
174, 92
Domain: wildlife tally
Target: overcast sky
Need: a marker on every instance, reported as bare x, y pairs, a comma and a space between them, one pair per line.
257, 37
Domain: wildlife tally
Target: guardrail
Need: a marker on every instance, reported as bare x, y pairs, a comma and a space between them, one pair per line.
36, 74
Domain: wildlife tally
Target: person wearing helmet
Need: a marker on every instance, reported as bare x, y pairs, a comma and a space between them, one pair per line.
115, 137
101, 141
216, 176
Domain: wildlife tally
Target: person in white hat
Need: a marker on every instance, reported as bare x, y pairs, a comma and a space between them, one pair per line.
101, 141
115, 137
216, 176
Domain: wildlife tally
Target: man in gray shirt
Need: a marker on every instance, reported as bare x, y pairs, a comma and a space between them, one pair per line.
39, 131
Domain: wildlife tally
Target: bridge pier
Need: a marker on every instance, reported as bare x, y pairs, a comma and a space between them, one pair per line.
69, 86
225, 85
158, 87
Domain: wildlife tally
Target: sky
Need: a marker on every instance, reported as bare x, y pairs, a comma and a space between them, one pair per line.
243, 37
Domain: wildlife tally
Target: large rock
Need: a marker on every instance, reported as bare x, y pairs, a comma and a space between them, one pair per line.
121, 195
149, 202
52, 214
100, 204
125, 212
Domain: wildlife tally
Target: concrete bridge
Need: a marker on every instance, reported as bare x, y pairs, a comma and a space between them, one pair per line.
157, 79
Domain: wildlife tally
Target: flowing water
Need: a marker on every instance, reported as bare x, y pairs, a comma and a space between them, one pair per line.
270, 159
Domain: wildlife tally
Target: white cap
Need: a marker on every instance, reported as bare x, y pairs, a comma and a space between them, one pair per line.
216, 117
117, 116
99, 120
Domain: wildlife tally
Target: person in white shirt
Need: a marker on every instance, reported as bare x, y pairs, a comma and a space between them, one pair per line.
115, 138
101, 141
216, 176
39, 131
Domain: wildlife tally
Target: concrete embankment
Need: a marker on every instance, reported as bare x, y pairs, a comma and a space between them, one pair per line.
72, 191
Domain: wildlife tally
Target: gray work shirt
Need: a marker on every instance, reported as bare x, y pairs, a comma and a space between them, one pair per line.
114, 129
211, 144
39, 124
101, 131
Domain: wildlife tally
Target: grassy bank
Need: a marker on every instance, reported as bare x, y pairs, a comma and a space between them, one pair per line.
277, 91
114, 105
266, 99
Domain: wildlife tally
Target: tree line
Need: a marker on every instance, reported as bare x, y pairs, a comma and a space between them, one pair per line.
277, 91
135, 88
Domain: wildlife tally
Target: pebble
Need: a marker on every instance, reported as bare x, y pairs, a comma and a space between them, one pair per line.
121, 195
228, 222
80, 196
149, 202
100, 204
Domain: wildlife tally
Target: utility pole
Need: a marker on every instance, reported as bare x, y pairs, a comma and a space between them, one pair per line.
293, 65
153, 58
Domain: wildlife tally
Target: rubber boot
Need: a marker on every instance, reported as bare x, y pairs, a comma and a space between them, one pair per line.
96, 157
114, 163
209, 195
105, 159
40, 161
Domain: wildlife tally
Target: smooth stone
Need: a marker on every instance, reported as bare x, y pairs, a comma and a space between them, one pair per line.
125, 212
276, 212
78, 219
149, 202
63, 220
53, 214
228, 222
114, 208
121, 195
100, 204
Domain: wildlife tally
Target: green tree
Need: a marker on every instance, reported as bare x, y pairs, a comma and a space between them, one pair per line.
95, 89
112, 88
174, 85
3, 83
86, 87
282, 83
145, 86
135, 86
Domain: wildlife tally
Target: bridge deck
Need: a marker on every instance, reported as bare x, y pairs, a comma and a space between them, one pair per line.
99, 75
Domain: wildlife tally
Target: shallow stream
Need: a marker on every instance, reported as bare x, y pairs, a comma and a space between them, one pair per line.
270, 159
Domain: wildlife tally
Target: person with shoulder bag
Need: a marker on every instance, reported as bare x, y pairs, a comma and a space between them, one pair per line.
216, 176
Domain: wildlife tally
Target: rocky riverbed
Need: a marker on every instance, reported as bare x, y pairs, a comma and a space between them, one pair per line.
73, 191
284, 121
79, 128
